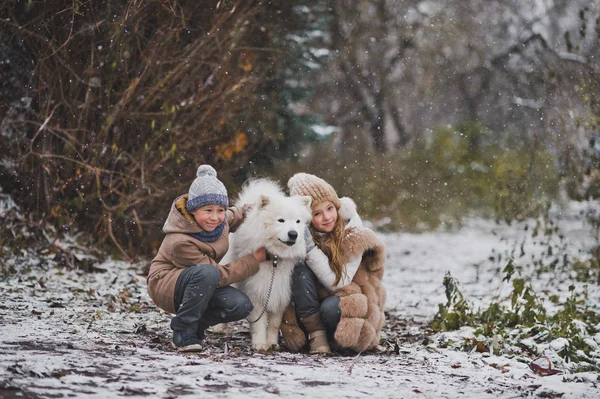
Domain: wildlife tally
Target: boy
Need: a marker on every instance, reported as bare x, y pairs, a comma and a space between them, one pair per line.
185, 277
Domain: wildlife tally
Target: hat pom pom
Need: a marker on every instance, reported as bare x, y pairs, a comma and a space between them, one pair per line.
206, 170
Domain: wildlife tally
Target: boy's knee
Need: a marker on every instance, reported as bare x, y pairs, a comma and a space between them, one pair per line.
207, 273
244, 304
246, 307
240, 305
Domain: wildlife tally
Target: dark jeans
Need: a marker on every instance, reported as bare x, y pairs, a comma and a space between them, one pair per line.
200, 304
307, 302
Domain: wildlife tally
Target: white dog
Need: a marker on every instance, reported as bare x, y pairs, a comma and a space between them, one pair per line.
276, 222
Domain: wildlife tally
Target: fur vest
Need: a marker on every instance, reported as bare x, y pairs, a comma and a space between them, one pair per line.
361, 302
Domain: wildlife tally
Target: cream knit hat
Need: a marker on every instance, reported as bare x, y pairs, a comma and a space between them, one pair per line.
315, 187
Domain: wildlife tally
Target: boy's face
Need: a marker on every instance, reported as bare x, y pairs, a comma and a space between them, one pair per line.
209, 217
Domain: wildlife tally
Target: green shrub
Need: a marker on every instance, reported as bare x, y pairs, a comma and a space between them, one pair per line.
436, 182
520, 315
456, 312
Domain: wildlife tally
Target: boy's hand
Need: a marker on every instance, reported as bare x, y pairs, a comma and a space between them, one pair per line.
260, 255
246, 208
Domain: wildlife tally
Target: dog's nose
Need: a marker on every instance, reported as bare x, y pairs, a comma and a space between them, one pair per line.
293, 234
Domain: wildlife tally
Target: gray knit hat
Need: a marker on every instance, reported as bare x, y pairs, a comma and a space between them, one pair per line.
206, 190
315, 187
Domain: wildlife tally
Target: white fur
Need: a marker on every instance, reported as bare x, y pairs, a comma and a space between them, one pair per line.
273, 220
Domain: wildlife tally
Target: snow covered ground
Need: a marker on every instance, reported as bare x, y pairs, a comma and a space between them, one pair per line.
68, 333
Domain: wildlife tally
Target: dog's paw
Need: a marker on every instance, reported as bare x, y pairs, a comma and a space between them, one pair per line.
262, 347
274, 347
265, 348
222, 328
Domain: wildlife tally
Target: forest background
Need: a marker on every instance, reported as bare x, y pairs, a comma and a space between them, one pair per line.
426, 113
422, 111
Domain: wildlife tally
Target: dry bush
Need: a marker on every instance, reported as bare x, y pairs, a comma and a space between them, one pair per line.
122, 101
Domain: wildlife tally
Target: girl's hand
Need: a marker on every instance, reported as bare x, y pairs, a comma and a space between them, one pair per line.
369, 252
310, 244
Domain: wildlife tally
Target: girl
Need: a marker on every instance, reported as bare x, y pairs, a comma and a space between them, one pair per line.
337, 293
185, 277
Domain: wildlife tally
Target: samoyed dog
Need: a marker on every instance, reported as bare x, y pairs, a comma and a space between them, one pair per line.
276, 222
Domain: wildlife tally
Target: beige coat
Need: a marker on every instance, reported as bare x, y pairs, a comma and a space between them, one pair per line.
361, 302
179, 250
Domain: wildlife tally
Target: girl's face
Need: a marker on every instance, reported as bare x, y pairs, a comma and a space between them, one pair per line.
209, 217
324, 216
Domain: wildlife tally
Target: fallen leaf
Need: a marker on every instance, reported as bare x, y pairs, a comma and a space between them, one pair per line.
543, 366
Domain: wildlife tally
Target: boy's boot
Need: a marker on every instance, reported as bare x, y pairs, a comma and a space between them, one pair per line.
201, 330
316, 334
186, 342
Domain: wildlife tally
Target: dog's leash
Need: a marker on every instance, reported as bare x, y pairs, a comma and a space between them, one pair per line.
275, 257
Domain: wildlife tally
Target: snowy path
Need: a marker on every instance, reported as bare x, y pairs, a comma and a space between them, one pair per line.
64, 333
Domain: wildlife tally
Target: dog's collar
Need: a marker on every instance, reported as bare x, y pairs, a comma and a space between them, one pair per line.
275, 258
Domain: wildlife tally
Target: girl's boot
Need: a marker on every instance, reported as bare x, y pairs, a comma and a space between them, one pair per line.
317, 337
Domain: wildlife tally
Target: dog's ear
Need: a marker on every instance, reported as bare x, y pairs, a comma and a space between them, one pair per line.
305, 200
264, 201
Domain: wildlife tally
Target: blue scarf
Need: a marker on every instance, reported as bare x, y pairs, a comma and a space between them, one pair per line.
209, 236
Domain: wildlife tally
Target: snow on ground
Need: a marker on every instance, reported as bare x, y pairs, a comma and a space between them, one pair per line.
68, 333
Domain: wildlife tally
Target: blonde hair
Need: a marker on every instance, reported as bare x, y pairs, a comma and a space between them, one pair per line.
331, 245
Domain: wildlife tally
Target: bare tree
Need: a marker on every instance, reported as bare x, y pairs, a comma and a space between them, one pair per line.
403, 68
370, 43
